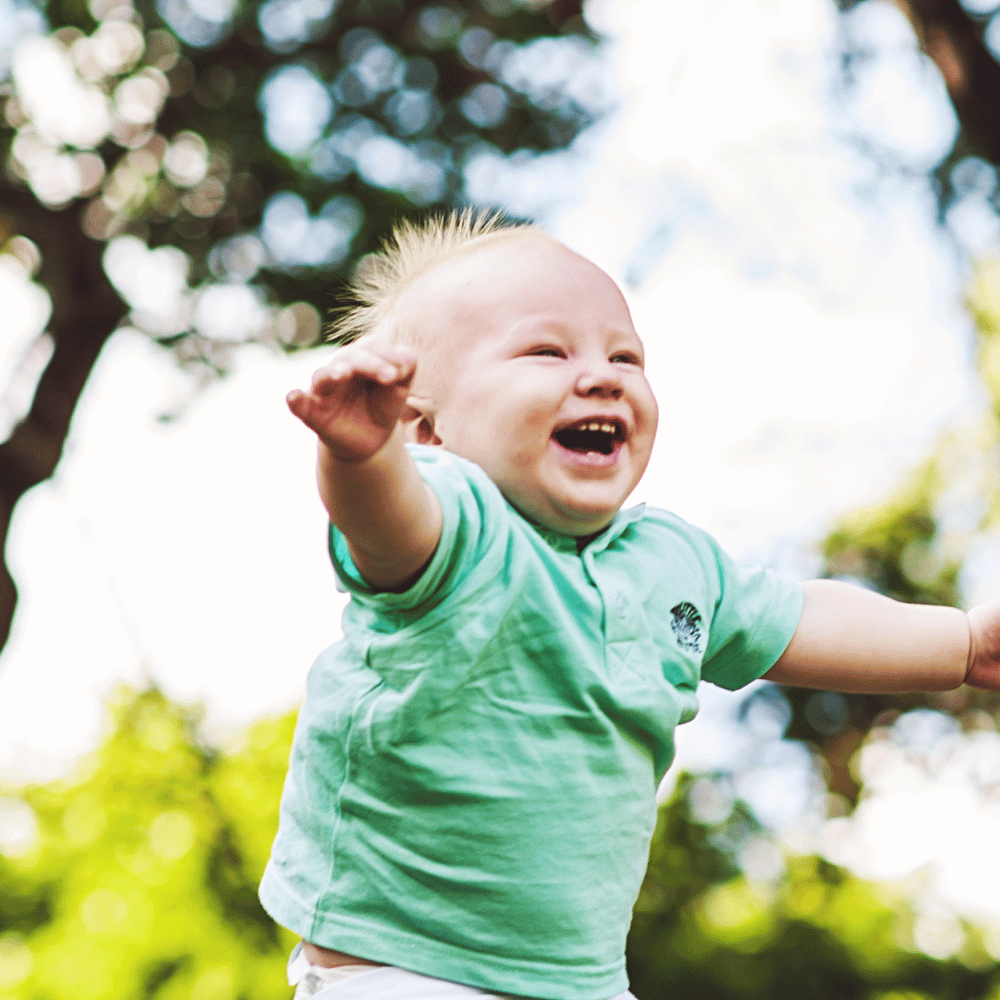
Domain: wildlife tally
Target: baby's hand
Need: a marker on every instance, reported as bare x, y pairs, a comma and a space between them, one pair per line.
984, 647
357, 398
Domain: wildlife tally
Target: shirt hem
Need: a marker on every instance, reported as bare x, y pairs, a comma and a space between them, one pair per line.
430, 957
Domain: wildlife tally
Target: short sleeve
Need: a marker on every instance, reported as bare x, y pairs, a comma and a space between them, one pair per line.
755, 617
468, 525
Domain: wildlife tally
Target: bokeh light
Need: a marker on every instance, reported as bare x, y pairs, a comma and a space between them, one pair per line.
297, 107
294, 238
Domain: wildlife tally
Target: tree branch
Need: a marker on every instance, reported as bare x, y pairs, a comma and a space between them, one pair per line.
86, 310
954, 40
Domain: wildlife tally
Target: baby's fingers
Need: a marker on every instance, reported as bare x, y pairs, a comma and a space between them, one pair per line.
303, 405
388, 367
297, 402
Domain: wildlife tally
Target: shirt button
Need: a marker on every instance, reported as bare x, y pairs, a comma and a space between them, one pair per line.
621, 604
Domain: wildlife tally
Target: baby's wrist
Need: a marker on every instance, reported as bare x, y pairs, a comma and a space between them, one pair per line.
970, 658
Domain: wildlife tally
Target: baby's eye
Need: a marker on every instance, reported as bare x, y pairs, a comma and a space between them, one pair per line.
626, 358
547, 352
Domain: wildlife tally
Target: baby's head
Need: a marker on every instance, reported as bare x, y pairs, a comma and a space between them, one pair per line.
527, 362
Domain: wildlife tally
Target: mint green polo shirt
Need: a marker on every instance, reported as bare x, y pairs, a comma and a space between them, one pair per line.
471, 792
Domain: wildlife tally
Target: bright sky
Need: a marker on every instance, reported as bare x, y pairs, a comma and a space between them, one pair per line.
806, 340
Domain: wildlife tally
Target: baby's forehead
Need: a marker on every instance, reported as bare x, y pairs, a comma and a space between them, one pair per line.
463, 270
501, 269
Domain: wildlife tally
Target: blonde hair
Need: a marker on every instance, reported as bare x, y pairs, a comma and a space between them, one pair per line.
412, 250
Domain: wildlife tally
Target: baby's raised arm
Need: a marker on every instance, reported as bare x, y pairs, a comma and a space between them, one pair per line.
854, 640
368, 482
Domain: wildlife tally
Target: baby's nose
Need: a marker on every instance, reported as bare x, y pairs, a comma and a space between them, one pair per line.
604, 383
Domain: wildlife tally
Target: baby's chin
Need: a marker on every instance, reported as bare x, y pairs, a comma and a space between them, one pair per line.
577, 523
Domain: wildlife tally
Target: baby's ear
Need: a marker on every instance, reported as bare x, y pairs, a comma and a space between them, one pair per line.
418, 423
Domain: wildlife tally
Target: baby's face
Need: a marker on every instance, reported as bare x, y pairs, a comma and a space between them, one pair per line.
536, 375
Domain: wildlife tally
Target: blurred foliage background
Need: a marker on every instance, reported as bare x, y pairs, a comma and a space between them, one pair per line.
136, 878
208, 171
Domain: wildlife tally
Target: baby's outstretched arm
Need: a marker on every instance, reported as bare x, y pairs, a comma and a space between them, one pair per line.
851, 639
368, 482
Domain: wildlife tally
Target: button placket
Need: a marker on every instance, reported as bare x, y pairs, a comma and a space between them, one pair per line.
619, 614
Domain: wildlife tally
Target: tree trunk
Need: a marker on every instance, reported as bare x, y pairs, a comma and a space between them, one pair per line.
86, 310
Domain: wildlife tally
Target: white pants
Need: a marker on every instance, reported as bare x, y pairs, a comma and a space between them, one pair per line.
384, 982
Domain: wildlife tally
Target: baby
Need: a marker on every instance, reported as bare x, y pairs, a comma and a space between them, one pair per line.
472, 785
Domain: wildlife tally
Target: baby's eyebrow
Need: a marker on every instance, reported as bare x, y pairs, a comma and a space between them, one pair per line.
531, 326
628, 341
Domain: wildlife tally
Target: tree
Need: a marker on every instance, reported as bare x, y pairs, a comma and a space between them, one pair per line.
913, 547
954, 37
138, 877
906, 547
249, 154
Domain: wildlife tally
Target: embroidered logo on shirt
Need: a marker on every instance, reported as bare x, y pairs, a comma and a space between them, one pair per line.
686, 623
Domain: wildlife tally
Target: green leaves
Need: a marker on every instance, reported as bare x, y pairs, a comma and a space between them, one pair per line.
142, 878
703, 929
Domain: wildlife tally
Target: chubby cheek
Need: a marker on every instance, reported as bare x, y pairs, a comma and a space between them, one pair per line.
647, 417
502, 427
492, 439
530, 438
647, 410
516, 463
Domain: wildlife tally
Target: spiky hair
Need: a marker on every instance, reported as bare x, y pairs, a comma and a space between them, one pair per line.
413, 249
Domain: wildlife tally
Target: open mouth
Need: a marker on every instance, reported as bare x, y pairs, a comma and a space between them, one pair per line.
602, 436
